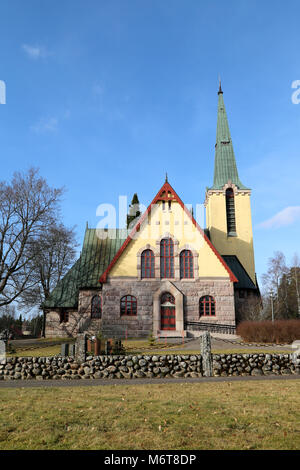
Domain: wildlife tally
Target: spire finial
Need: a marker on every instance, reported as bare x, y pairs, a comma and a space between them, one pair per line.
166, 178
220, 88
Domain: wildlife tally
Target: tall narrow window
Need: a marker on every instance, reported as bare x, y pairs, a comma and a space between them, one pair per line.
147, 264
230, 212
166, 258
96, 307
128, 305
207, 306
186, 265
63, 316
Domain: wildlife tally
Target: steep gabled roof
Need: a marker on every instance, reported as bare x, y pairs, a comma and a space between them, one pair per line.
102, 248
166, 193
99, 248
65, 294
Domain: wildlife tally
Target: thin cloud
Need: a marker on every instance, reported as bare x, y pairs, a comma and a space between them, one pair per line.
287, 216
98, 89
34, 52
45, 125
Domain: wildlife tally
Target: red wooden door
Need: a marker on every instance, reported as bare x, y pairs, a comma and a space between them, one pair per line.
168, 319
168, 312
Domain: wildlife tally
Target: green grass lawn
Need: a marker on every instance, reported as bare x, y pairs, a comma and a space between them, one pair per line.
134, 347
224, 415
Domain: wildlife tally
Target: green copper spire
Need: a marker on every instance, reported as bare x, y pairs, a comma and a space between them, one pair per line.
225, 164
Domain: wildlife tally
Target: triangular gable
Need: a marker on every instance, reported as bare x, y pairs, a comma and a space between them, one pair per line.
166, 193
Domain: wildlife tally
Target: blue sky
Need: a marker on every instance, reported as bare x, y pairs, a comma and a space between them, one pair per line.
106, 96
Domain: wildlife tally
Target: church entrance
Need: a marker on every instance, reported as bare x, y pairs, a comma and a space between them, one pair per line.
167, 312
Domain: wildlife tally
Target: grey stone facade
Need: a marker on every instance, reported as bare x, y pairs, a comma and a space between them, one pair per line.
147, 292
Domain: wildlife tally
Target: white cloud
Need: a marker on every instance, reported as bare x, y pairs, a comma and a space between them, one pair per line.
45, 125
285, 217
34, 52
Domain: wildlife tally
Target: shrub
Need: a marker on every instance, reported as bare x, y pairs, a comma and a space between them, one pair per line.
279, 331
151, 339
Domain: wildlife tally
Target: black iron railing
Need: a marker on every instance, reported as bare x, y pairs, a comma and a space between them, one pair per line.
212, 327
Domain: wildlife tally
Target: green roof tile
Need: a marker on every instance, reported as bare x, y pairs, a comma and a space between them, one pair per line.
225, 164
98, 250
65, 294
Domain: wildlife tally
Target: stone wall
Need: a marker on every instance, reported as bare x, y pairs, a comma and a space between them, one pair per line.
144, 291
255, 364
145, 366
55, 328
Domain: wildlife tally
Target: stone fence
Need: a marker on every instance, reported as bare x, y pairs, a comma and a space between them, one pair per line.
148, 366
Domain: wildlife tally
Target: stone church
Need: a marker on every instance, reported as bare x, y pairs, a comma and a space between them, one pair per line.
165, 275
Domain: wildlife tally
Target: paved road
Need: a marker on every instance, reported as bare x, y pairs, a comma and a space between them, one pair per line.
117, 382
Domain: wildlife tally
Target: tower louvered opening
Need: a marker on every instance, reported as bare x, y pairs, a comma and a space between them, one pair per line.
230, 213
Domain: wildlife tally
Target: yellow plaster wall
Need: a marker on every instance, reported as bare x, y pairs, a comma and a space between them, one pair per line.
242, 244
178, 224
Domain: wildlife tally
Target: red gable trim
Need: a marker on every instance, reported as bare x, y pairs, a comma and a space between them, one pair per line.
162, 195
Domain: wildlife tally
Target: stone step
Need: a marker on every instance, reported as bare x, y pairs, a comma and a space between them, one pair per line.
171, 334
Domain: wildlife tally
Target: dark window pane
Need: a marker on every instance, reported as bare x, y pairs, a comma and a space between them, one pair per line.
167, 258
186, 264
147, 264
207, 306
96, 307
128, 305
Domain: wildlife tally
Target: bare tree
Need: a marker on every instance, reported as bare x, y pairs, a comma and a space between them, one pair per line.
295, 273
251, 310
274, 280
51, 256
28, 207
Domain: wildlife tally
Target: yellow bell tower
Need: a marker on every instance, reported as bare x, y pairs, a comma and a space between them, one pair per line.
227, 202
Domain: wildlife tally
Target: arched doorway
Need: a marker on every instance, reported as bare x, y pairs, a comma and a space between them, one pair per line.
167, 312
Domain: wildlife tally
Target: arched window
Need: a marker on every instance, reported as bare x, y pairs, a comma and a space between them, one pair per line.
128, 305
207, 306
96, 307
167, 298
230, 212
147, 264
166, 258
186, 265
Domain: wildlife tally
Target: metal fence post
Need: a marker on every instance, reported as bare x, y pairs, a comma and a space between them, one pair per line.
205, 348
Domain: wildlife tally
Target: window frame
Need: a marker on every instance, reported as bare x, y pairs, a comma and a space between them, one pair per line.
186, 262
208, 304
147, 264
63, 316
131, 300
167, 258
98, 314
